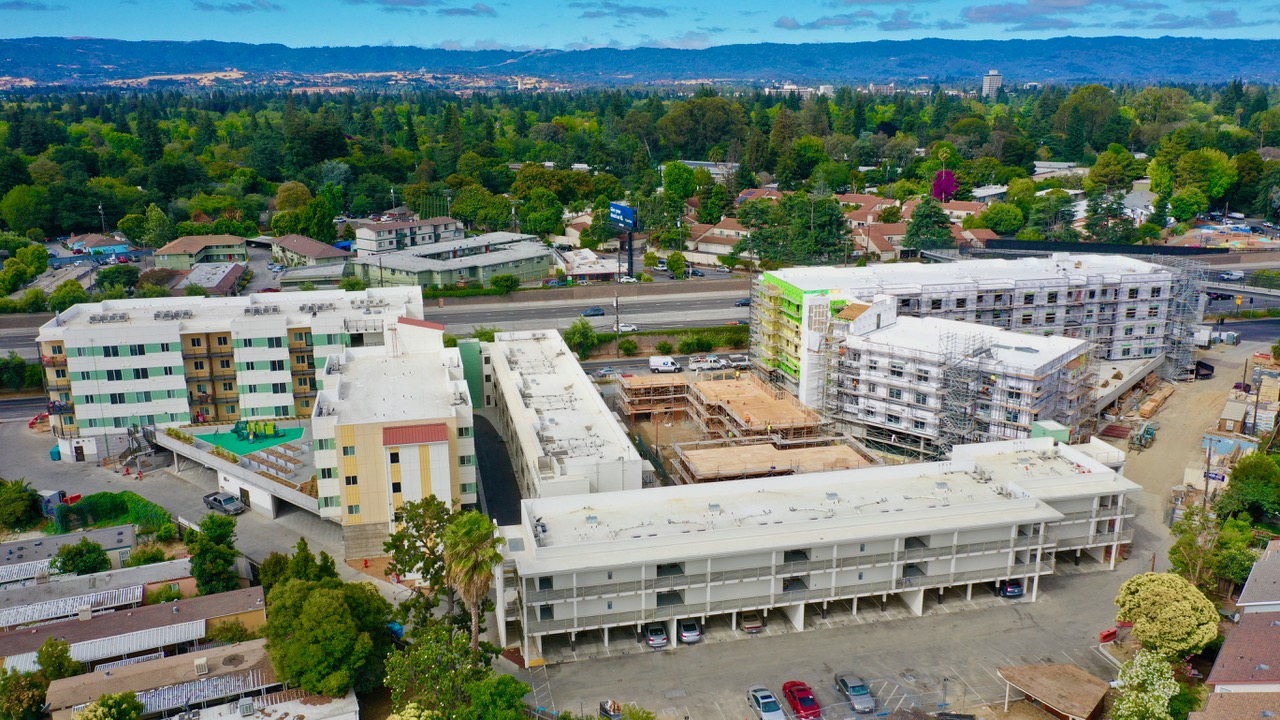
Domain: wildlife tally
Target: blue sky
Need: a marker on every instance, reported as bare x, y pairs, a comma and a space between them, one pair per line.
574, 24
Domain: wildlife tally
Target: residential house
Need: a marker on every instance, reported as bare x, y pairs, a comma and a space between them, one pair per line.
217, 279
1261, 593
1249, 661
1239, 706
990, 193
764, 193
718, 239
64, 597
299, 251
379, 236
190, 250
24, 561
721, 172
96, 244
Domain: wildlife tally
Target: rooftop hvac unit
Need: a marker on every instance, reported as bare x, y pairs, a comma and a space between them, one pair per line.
84, 612
246, 708
202, 666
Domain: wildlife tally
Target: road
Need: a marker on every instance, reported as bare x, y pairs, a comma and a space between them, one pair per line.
1267, 331
672, 311
21, 340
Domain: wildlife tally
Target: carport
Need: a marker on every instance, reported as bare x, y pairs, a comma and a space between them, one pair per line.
1064, 691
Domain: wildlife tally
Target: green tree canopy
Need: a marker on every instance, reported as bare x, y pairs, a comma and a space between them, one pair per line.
581, 337
1146, 685
213, 555
125, 276
1003, 218
81, 558
929, 227
1254, 488
115, 706
471, 551
1169, 615
19, 502
417, 548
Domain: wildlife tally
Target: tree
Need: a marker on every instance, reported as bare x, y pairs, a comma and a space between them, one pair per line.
676, 264
126, 276
117, 706
1187, 203
273, 570
21, 695
1169, 615
1146, 685
82, 558
628, 347
1106, 220
213, 555
416, 549
602, 228
194, 290
650, 259
944, 186
891, 214
929, 228
542, 213
1002, 218
19, 504
506, 284
328, 636
1254, 488
436, 669
351, 283
292, 196
146, 290
471, 550
54, 657
677, 181
26, 207
158, 228
1208, 170
146, 555
581, 337
1206, 551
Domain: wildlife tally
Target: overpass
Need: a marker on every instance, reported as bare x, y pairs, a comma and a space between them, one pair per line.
1236, 288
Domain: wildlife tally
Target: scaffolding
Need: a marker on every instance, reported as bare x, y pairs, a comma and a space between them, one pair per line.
661, 397
1186, 311
959, 389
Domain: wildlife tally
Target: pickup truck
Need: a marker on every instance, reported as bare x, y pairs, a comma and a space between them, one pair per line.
739, 362
224, 503
707, 362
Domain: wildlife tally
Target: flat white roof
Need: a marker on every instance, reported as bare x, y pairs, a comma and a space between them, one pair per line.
198, 314
1060, 265
414, 378
561, 404
986, 485
1013, 349
412, 260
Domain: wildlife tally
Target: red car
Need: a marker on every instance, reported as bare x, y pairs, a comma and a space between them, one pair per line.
803, 703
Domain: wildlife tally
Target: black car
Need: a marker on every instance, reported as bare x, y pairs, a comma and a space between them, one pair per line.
744, 302
593, 312
697, 273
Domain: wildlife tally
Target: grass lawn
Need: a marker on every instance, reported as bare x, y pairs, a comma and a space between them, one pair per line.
228, 441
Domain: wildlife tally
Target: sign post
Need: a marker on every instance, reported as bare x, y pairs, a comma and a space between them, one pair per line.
624, 217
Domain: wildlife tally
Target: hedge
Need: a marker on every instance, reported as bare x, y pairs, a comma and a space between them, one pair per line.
105, 509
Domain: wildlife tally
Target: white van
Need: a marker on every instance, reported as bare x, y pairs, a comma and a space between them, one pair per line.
663, 363
1231, 275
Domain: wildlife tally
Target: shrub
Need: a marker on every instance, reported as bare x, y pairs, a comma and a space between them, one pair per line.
164, 594
664, 348
429, 294
644, 277
687, 345
167, 532
628, 347
146, 555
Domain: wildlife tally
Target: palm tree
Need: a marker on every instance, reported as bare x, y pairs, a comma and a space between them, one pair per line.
470, 554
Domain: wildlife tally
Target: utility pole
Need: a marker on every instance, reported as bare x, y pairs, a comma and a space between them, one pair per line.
103, 216
617, 324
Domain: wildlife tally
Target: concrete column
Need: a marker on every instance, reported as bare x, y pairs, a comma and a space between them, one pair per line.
968, 591
1115, 550
672, 639
573, 641
795, 613
606, 635
1035, 587
914, 600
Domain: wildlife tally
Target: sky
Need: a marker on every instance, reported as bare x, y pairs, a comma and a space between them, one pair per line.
576, 24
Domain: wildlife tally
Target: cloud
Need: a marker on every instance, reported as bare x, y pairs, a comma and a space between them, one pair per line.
853, 19
476, 10
237, 8
399, 6
606, 9
691, 40
484, 45
1033, 15
900, 20
1211, 19
32, 6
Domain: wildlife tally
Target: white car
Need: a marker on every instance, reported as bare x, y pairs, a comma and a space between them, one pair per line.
627, 327
764, 703
627, 279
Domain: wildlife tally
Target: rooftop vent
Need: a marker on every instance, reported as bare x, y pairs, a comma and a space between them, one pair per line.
713, 508
202, 666
833, 497
592, 521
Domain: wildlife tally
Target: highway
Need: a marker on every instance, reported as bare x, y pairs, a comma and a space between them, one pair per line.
672, 311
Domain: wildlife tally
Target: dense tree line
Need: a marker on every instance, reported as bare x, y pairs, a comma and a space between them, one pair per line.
159, 165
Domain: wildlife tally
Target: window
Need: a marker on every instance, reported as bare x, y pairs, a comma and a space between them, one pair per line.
1133, 293
896, 373
1053, 297
221, 340
110, 351
328, 473
1125, 352
348, 450
115, 374
922, 399
1151, 329
55, 349
1051, 317
468, 488
1014, 396
1128, 330
136, 350
895, 393
60, 374
297, 337
277, 365
395, 487
873, 364
299, 359
140, 374
1026, 318
962, 303
84, 375
197, 342
350, 480
1029, 299
1093, 294
466, 460
325, 443
922, 375
871, 387
117, 398
224, 364
1155, 292
893, 419
279, 387
935, 304
395, 457
1011, 416
197, 365
917, 425
231, 409
353, 509
465, 431
1153, 311
228, 387
999, 297
275, 342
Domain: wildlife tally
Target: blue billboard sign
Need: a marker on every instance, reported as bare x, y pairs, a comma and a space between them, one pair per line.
622, 216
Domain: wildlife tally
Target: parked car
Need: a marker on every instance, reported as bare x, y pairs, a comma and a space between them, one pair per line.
662, 264
224, 503
706, 362
764, 704
742, 302
724, 269
605, 372
690, 631
1231, 275
663, 363
804, 705
737, 322
697, 273
1009, 588
564, 247
596, 311
855, 692
627, 327
553, 283
627, 279
751, 622
655, 635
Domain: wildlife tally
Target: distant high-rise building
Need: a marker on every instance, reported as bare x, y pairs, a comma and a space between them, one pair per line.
991, 83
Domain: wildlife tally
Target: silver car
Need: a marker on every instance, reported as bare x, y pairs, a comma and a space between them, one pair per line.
690, 631
764, 703
655, 635
856, 692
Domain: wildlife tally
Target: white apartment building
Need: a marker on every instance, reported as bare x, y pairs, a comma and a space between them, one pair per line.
373, 237
791, 546
991, 83
562, 438
1129, 309
120, 365
393, 424
922, 385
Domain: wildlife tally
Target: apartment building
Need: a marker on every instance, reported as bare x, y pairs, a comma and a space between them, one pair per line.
114, 367
922, 385
561, 437
393, 424
1128, 309
190, 250
807, 544
379, 236
466, 261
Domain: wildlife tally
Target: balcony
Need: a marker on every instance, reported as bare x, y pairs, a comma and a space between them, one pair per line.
66, 431
59, 383
54, 360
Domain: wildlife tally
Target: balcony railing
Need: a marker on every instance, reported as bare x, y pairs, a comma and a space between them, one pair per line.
66, 431
54, 360
1096, 540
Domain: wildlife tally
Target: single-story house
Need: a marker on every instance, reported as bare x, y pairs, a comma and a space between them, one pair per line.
884, 239
958, 210
721, 172
187, 251
1249, 661
1261, 593
990, 193
321, 277
761, 194
97, 244
1239, 706
218, 279
1064, 691
864, 201
22, 560
298, 250
975, 238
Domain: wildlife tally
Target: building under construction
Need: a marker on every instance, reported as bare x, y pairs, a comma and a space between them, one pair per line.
737, 459
920, 386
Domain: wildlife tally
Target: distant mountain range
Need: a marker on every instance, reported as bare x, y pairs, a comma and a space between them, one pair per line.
86, 62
